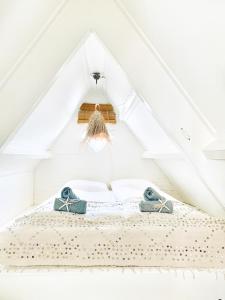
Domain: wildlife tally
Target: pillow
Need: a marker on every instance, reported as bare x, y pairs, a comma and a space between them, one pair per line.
103, 196
130, 188
86, 185
132, 183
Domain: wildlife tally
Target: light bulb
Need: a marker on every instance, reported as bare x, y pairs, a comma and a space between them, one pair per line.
97, 144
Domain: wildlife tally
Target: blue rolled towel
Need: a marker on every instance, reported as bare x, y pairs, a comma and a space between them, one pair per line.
68, 193
161, 206
151, 195
70, 205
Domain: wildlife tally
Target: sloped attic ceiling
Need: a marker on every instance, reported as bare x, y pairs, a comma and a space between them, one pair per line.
188, 35
67, 90
35, 63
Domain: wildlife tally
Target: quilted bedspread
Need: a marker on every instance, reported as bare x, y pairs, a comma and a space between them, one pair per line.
114, 234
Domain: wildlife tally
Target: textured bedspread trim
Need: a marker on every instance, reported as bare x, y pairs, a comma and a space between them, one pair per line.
175, 272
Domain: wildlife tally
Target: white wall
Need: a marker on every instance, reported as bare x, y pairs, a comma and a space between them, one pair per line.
16, 194
16, 185
190, 186
72, 160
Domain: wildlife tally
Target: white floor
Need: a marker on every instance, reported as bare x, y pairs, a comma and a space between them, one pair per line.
111, 284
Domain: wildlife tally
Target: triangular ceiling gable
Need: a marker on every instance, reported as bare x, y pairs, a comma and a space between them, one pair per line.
67, 90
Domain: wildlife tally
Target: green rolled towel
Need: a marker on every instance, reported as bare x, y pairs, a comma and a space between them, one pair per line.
70, 205
67, 192
151, 195
161, 206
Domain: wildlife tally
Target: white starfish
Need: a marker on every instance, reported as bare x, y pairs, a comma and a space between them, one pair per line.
163, 205
66, 203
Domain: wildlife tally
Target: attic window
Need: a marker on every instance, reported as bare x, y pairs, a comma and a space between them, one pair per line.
87, 109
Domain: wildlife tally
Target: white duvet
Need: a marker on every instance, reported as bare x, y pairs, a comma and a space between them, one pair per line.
114, 233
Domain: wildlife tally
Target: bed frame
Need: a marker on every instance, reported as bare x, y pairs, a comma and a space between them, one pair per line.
111, 283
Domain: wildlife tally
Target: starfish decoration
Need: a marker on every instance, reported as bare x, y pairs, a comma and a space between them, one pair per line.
66, 203
163, 205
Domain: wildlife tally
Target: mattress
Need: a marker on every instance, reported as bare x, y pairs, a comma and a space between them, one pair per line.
114, 233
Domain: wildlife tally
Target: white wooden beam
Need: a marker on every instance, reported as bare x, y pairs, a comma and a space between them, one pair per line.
215, 150
162, 155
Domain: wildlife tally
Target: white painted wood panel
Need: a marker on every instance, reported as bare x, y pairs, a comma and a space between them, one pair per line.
16, 194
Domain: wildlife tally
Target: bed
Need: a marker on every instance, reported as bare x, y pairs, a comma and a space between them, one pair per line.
114, 233
25, 283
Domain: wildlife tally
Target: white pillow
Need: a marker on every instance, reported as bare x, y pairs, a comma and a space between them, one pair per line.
125, 189
95, 196
86, 185
128, 189
132, 183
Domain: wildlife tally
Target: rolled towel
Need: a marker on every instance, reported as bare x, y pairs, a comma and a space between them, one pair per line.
70, 205
161, 206
151, 195
68, 193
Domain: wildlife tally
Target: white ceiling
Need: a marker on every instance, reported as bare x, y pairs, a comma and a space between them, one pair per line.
189, 36
67, 90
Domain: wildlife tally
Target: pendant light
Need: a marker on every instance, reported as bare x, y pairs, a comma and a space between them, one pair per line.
97, 135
